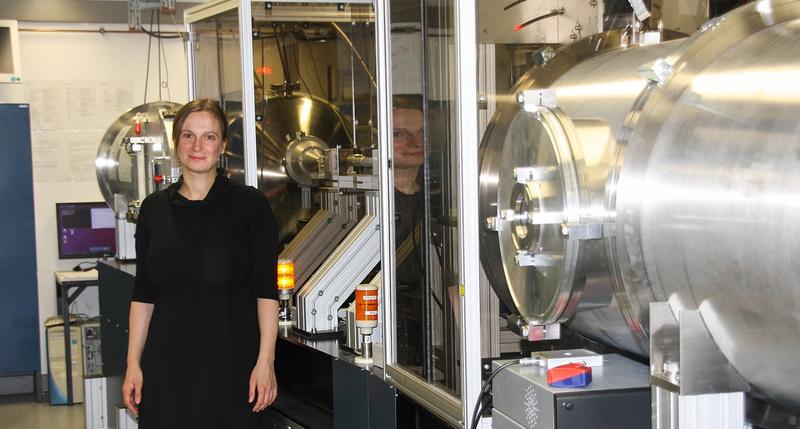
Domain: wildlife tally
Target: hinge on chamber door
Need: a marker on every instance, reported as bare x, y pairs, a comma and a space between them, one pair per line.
534, 99
583, 231
544, 332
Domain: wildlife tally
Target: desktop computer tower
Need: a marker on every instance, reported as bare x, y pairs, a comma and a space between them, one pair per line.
57, 364
92, 356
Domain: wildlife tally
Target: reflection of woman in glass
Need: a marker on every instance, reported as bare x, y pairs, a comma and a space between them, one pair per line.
408, 158
203, 318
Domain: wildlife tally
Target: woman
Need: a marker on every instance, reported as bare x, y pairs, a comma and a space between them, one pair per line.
203, 318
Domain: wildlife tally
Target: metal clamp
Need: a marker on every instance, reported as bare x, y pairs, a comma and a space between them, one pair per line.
534, 99
526, 258
582, 231
136, 144
658, 71
524, 175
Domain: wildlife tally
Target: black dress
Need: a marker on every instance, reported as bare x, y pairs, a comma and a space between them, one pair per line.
203, 264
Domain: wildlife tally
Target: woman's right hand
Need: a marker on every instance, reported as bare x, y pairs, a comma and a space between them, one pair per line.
132, 388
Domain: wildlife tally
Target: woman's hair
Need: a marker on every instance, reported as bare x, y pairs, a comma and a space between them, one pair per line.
200, 105
407, 101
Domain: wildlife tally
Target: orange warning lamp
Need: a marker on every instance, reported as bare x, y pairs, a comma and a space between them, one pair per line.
285, 276
366, 319
285, 289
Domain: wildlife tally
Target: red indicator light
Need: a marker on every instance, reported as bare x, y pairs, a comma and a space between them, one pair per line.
137, 128
265, 70
158, 179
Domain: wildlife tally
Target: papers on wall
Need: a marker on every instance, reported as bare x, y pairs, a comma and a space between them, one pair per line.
68, 120
64, 155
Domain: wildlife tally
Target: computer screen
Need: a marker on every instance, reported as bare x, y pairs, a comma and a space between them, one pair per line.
85, 230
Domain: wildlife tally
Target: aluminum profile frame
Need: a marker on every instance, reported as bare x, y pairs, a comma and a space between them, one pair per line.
248, 94
317, 239
326, 291
468, 207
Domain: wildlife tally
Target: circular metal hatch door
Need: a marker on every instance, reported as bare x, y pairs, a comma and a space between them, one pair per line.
537, 198
130, 174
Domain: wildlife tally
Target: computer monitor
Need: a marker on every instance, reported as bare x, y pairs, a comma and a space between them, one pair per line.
85, 230
9, 52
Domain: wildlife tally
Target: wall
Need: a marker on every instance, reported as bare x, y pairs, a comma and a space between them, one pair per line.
78, 83
99, 11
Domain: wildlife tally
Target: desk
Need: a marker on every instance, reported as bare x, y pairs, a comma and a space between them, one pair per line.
66, 280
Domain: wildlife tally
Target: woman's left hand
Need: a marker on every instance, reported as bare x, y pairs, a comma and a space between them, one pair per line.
263, 386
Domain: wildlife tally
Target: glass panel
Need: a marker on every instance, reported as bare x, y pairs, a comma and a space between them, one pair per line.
313, 75
425, 174
313, 80
329, 61
218, 60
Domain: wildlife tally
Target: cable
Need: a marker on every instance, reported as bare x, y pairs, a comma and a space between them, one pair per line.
157, 34
285, 66
159, 56
479, 405
300, 76
160, 36
316, 72
185, 46
80, 267
514, 4
281, 54
166, 72
554, 12
355, 52
162, 55
261, 83
147, 72
165, 83
418, 250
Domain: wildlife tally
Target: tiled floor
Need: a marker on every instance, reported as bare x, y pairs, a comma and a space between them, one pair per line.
22, 412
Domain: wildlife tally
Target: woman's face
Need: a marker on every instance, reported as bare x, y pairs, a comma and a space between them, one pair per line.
200, 143
409, 142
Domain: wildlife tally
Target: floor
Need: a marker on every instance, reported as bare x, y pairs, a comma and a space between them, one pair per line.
23, 412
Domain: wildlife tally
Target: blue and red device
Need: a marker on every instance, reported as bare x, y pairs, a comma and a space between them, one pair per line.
569, 375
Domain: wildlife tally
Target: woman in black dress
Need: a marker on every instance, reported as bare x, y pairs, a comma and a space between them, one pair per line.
203, 318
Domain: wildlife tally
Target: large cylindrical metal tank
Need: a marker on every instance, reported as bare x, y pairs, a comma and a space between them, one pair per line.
291, 132
135, 156
666, 173
285, 123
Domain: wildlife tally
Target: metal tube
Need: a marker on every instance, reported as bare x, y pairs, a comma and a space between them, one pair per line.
190, 62
366, 347
248, 94
100, 30
359, 161
141, 174
354, 122
285, 313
